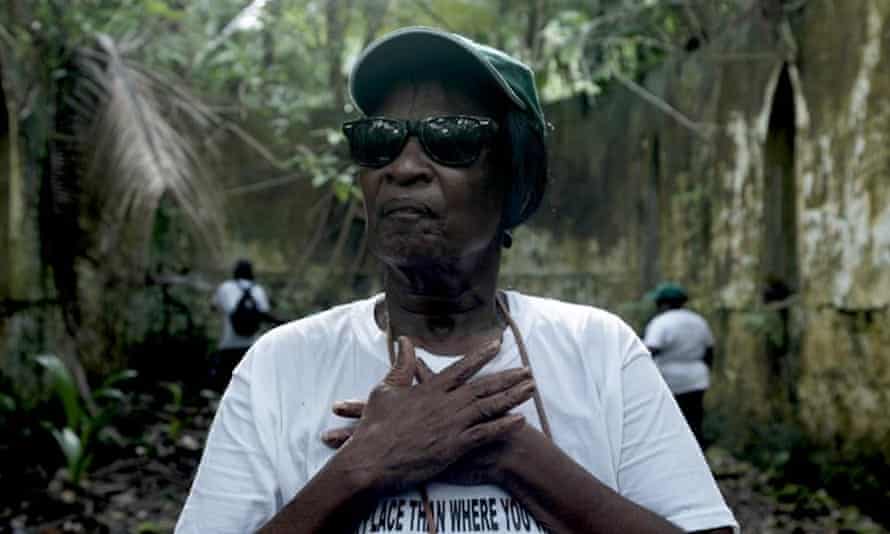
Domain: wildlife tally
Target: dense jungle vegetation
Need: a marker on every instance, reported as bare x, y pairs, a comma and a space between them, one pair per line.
120, 121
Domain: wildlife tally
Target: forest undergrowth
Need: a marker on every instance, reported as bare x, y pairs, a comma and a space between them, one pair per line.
138, 484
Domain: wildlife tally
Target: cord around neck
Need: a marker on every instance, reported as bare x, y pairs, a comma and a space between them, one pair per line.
523, 353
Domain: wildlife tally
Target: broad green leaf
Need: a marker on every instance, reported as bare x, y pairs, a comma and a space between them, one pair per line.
110, 393
64, 386
120, 376
70, 445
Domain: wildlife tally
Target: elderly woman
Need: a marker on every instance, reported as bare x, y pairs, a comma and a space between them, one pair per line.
446, 404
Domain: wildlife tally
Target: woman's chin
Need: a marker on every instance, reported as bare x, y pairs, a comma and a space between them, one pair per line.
403, 251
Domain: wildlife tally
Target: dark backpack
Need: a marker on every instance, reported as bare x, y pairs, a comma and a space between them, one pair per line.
246, 317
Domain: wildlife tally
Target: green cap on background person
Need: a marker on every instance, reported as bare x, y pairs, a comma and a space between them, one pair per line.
668, 292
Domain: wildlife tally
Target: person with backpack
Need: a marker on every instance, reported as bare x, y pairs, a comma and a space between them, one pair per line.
244, 306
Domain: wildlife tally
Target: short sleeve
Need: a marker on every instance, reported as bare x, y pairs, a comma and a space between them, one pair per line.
235, 489
661, 466
262, 299
709, 336
656, 335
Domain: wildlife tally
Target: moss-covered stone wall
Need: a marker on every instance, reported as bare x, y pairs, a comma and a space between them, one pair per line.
783, 180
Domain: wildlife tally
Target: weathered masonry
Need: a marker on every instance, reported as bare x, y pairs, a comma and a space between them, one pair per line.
772, 204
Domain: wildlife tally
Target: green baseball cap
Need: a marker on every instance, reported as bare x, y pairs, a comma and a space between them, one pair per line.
418, 47
668, 292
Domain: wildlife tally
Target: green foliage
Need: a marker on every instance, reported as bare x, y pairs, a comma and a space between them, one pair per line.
637, 312
809, 477
7, 403
76, 456
766, 323
62, 382
82, 428
327, 165
286, 63
149, 527
173, 410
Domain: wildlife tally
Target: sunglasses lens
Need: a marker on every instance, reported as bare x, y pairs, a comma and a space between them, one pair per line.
453, 140
375, 142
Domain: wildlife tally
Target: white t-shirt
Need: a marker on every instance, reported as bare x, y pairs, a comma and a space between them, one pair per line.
681, 337
226, 299
608, 408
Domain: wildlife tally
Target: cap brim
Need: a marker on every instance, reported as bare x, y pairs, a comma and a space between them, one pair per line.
416, 49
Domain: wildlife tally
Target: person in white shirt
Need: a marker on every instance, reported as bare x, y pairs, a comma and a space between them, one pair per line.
232, 344
445, 404
683, 347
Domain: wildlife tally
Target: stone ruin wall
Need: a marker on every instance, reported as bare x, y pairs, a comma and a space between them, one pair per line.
786, 176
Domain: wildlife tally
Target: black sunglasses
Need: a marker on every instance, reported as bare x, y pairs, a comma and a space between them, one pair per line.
452, 140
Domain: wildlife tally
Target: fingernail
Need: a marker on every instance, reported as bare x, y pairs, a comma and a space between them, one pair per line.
340, 405
326, 436
515, 418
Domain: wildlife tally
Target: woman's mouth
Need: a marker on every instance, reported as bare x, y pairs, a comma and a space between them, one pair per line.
405, 209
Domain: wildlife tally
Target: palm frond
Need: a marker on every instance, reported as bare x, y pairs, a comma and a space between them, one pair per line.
143, 144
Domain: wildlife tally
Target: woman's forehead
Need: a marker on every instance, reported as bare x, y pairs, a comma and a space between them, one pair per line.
412, 99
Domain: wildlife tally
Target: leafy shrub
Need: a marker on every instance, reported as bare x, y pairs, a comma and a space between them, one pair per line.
82, 427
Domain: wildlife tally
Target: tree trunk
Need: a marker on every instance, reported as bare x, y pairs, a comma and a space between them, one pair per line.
12, 281
536, 18
345, 229
336, 15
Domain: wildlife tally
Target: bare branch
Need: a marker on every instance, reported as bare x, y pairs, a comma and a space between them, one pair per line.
257, 145
345, 227
699, 129
262, 185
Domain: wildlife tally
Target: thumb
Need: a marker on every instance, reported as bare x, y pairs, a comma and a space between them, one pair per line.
402, 372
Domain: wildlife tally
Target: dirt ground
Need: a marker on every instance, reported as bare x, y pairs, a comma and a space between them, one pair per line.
144, 494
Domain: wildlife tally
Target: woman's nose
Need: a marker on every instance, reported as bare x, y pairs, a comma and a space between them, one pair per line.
412, 166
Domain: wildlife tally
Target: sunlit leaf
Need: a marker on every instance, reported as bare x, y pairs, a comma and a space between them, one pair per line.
64, 386
160, 8
108, 393
342, 191
120, 376
70, 445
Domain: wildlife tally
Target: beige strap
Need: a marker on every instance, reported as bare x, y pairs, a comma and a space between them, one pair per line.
523, 353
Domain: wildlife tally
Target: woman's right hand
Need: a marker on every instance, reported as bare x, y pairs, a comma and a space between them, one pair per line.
408, 434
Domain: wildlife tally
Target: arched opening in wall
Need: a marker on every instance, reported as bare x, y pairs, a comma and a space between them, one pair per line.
779, 260
5, 200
